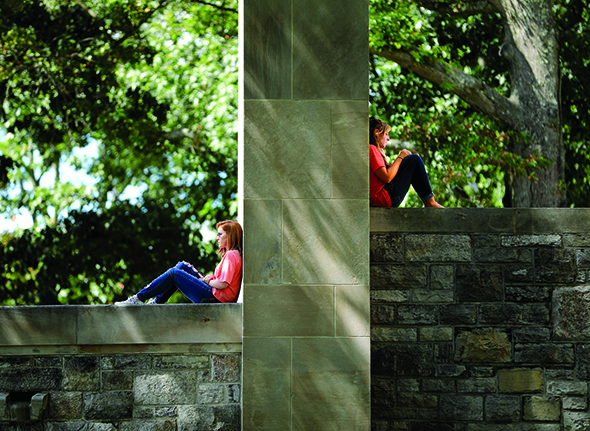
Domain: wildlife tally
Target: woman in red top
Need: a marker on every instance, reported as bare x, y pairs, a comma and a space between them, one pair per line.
221, 286
390, 183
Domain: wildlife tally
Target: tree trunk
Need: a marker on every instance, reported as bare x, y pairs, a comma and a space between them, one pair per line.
532, 50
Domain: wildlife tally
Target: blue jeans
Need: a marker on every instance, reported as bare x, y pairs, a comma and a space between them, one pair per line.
182, 277
411, 171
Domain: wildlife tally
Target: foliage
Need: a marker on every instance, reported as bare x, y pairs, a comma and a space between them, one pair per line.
470, 155
152, 86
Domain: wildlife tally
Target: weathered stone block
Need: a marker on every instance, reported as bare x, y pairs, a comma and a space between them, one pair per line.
438, 333
416, 400
438, 248
407, 385
172, 362
502, 255
576, 421
399, 276
583, 361
77, 426
401, 360
528, 293
82, 373
531, 241
211, 394
503, 408
479, 283
514, 314
486, 345
481, 371
458, 314
380, 333
148, 425
461, 407
389, 296
438, 385
442, 277
555, 266
209, 418
432, 296
518, 273
117, 380
160, 387
449, 370
538, 408
571, 313
108, 405
544, 353
417, 314
387, 247
31, 380
556, 387
383, 314
574, 403
444, 353
226, 368
65, 405
126, 362
531, 335
583, 258
476, 386
521, 380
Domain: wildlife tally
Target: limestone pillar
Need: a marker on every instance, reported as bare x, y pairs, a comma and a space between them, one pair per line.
304, 205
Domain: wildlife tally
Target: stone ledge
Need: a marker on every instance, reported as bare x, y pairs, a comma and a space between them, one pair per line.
107, 324
481, 220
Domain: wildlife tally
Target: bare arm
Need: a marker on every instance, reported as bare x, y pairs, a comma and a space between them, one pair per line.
387, 175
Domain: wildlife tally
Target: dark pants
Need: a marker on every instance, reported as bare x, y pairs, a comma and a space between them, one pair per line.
411, 172
183, 277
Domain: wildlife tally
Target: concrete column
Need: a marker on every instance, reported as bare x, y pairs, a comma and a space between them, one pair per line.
304, 205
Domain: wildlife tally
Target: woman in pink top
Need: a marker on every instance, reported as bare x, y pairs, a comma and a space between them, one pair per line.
388, 184
221, 286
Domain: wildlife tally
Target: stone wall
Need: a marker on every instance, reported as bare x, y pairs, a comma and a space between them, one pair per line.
173, 367
480, 319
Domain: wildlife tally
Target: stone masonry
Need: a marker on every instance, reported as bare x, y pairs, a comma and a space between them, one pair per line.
480, 319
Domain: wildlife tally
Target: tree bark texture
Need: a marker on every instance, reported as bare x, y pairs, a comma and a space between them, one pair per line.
533, 107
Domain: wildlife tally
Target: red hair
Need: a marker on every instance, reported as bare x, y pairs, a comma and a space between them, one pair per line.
234, 233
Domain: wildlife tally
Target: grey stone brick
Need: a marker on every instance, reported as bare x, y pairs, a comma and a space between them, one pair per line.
165, 412
576, 240
528, 293
476, 386
555, 266
483, 345
417, 314
560, 374
544, 353
209, 418
576, 421
82, 373
143, 412
458, 314
172, 362
399, 276
31, 380
502, 255
571, 314
210, 394
386, 247
502, 408
404, 360
386, 333
389, 296
126, 362
117, 380
234, 394
432, 296
461, 407
438, 385
149, 425
484, 241
226, 368
408, 385
165, 387
444, 353
382, 314
80, 426
556, 387
108, 405
19, 362
442, 277
65, 405
531, 241
531, 335
583, 258
438, 248
416, 400
479, 283
583, 361
514, 314
575, 403
518, 273
481, 371
450, 370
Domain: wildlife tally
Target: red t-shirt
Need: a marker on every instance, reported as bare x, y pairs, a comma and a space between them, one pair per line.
378, 196
229, 271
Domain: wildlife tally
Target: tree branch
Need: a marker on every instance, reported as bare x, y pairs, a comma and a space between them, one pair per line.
471, 90
227, 9
460, 8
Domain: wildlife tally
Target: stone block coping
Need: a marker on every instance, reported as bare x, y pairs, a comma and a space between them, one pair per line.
481, 220
93, 325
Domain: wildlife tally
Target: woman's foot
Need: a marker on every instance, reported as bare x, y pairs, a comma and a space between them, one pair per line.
431, 203
132, 300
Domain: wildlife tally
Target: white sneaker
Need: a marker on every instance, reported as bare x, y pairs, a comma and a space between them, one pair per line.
152, 301
132, 300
